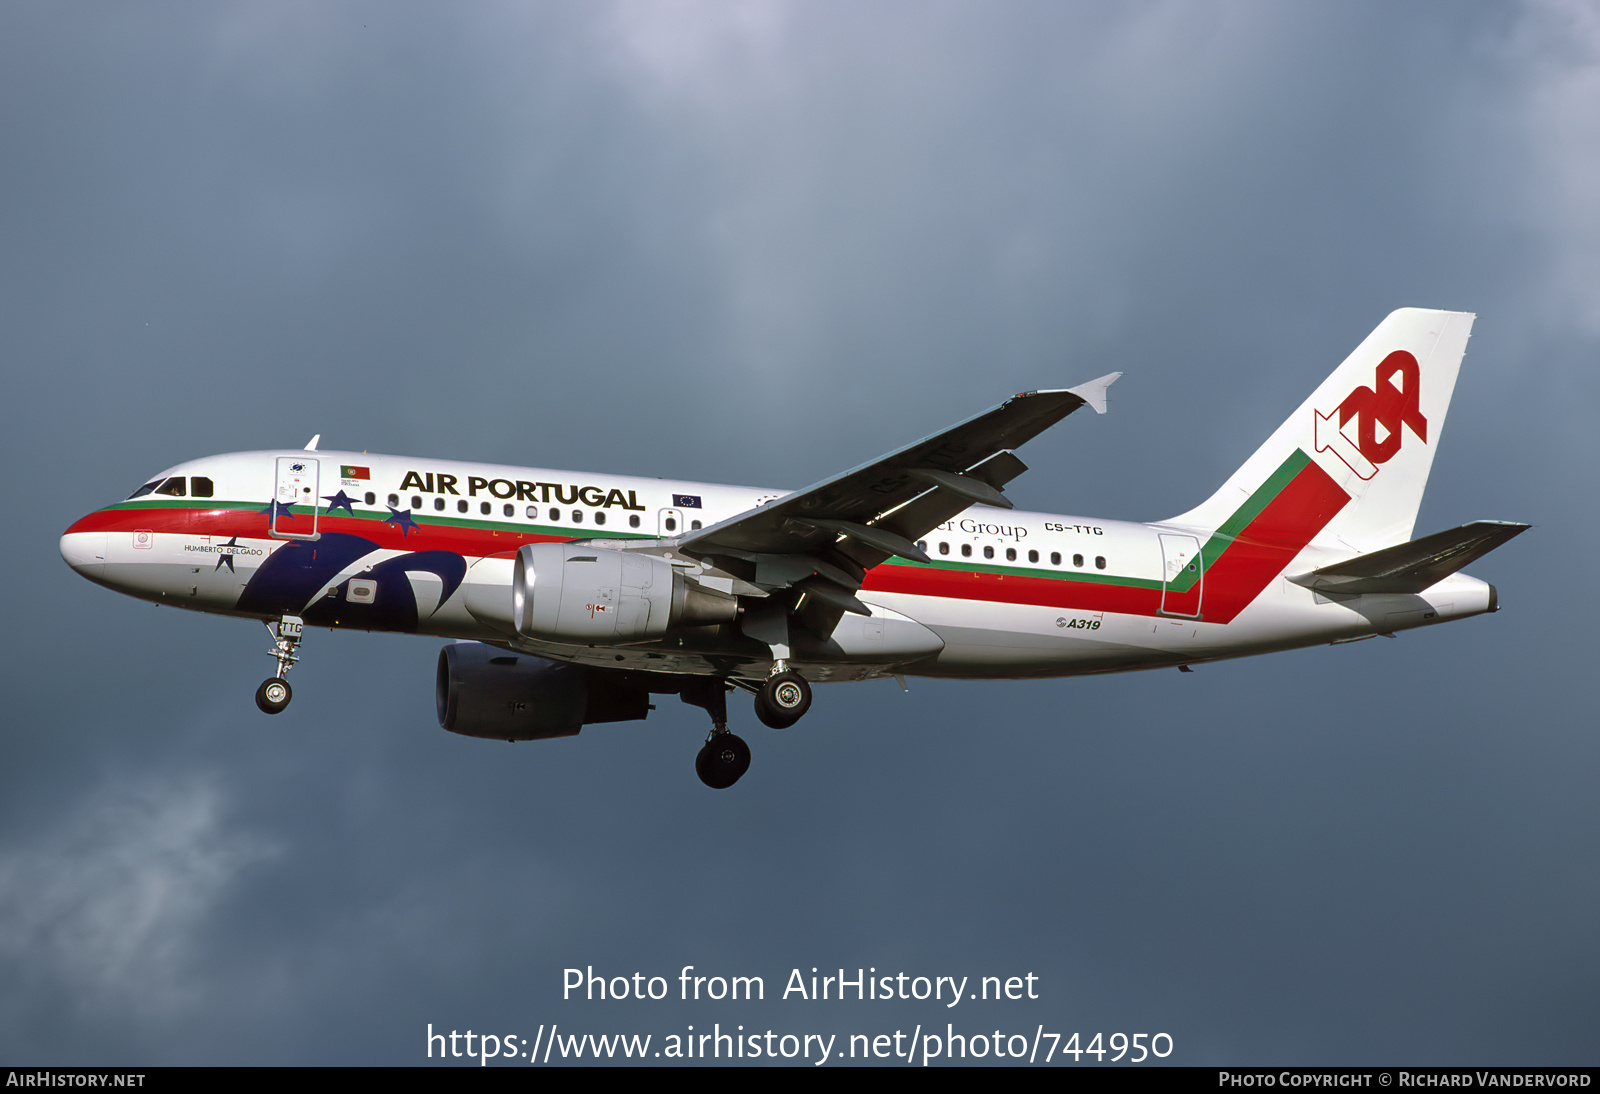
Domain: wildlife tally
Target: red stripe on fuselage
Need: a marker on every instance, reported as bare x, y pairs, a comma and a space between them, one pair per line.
1256, 556
1269, 543
1051, 592
471, 542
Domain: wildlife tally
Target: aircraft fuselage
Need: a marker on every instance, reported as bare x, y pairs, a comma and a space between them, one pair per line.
391, 543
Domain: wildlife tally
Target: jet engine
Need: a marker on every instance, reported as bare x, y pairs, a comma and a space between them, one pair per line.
562, 592
486, 692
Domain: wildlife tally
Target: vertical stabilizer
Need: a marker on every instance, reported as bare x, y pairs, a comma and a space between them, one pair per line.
1361, 446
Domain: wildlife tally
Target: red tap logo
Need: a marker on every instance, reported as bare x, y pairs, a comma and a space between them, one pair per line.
1387, 404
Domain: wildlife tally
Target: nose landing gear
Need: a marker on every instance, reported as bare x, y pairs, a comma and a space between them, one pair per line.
273, 695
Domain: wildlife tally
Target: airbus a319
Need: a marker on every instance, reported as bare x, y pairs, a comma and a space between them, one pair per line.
572, 599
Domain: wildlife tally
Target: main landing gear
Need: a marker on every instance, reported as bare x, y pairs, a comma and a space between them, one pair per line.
780, 702
273, 695
783, 700
724, 757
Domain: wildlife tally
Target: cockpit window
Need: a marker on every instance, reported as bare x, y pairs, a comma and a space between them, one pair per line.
145, 489
173, 487
200, 487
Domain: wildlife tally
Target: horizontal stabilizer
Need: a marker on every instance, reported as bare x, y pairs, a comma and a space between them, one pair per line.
1415, 566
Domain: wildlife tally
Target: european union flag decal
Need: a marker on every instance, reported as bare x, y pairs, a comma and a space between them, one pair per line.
686, 501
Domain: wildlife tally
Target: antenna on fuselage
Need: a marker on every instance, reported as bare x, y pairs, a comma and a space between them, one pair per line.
311, 445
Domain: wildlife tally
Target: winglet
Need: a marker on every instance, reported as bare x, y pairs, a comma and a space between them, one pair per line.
1094, 392
311, 445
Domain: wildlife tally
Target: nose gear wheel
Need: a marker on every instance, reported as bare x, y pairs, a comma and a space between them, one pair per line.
273, 695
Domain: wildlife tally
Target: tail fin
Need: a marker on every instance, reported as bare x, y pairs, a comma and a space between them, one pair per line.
1349, 467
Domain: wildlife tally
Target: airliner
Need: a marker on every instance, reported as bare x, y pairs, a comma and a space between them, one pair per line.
571, 598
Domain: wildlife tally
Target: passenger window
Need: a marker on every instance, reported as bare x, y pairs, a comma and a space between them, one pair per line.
483, 507
173, 487
671, 524
1055, 558
371, 497
438, 504
966, 550
1077, 560
416, 502
693, 525
555, 514
1033, 556
577, 516
200, 487
633, 520
599, 518
511, 510
533, 513
461, 506
1011, 554
394, 501
944, 548
988, 552
1099, 562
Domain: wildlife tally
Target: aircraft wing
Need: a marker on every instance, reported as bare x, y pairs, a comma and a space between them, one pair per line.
824, 538
1415, 566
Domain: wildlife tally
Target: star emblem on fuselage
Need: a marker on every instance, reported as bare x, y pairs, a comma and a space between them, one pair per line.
341, 500
274, 507
402, 517
227, 558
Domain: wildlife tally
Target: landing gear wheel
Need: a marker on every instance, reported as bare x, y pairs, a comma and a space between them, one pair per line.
273, 695
723, 759
783, 700
770, 718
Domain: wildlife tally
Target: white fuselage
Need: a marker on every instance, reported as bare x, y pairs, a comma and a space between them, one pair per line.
1008, 594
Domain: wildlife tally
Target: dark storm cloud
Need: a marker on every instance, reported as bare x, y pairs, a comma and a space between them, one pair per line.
763, 242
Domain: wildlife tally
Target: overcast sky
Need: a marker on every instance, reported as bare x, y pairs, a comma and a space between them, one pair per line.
763, 242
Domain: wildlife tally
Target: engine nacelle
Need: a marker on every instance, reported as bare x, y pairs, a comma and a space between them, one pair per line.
561, 592
486, 692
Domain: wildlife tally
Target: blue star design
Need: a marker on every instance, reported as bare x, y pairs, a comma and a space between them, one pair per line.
402, 517
340, 501
228, 558
274, 507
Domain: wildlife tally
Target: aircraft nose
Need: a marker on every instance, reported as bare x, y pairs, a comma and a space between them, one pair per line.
85, 552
